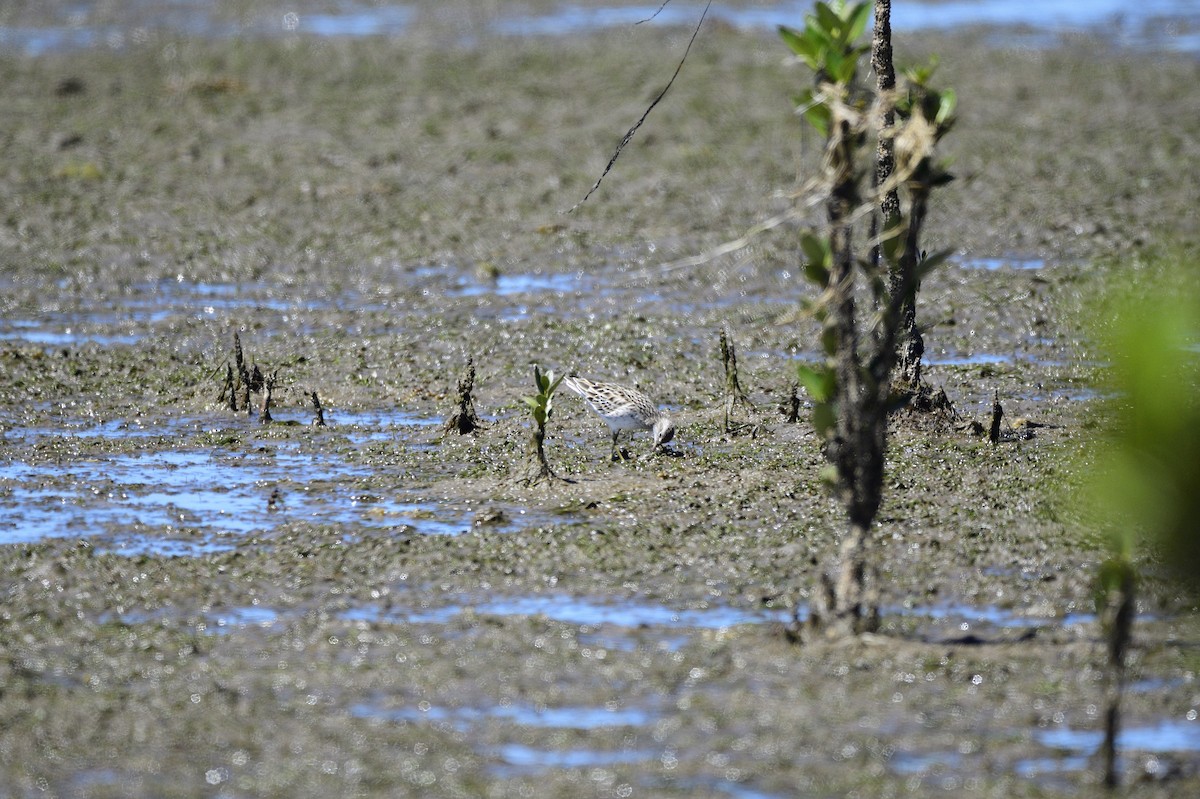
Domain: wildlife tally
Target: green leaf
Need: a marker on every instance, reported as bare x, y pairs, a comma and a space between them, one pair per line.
816, 248
820, 382
539, 415
892, 242
819, 117
858, 17
946, 106
920, 75
817, 258
829, 340
828, 19
809, 44
817, 308
816, 273
825, 419
533, 402
811, 23
833, 65
1114, 571
798, 44
931, 262
818, 38
843, 66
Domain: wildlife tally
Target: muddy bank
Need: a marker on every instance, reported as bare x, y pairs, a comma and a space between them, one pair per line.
195, 603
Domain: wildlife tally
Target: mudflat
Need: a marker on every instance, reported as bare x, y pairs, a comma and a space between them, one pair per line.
199, 603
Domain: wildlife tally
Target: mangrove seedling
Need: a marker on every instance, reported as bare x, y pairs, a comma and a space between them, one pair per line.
541, 406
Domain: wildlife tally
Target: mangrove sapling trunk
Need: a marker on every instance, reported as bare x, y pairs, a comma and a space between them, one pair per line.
851, 388
910, 346
857, 447
885, 150
542, 466
238, 357
249, 379
857, 452
1117, 622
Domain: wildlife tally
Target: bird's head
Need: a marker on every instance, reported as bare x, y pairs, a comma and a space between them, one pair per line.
664, 431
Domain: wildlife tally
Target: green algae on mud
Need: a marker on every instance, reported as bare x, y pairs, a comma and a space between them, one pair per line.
342, 204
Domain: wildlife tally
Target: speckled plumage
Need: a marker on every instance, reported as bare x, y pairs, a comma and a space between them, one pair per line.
622, 408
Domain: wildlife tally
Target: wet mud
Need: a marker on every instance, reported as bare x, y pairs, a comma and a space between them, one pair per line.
198, 604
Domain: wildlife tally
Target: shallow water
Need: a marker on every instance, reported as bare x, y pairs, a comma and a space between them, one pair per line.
966, 617
1166, 735
1157, 24
158, 308
522, 759
207, 494
582, 611
610, 615
993, 264
241, 618
577, 718
1073, 749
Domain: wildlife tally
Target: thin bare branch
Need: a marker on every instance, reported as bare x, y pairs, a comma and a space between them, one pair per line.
655, 14
630, 133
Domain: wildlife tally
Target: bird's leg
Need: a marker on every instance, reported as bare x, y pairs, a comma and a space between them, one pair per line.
616, 449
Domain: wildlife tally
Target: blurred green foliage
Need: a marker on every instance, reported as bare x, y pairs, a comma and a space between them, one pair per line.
1147, 481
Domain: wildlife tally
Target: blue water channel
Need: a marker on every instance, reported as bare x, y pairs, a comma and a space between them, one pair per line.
1150, 24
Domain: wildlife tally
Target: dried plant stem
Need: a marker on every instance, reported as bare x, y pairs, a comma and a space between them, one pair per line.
734, 395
